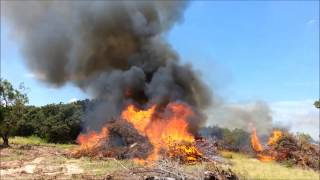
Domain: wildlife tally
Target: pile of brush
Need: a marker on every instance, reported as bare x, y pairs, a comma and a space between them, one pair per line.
123, 142
208, 147
293, 151
185, 153
167, 169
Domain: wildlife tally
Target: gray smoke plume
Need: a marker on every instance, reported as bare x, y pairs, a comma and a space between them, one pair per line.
114, 50
243, 116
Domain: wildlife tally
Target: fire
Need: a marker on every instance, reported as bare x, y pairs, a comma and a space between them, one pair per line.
185, 152
255, 142
165, 131
89, 142
275, 137
257, 146
92, 138
265, 158
139, 118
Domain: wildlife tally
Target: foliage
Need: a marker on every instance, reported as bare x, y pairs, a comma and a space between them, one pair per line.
317, 104
235, 140
303, 137
12, 103
57, 123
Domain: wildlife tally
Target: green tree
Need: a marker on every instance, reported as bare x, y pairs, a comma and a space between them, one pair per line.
303, 137
57, 123
317, 104
12, 103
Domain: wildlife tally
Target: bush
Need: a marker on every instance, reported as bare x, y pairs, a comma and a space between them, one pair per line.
57, 123
234, 140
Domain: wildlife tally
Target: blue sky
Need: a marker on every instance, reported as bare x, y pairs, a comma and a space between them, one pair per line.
254, 50
245, 51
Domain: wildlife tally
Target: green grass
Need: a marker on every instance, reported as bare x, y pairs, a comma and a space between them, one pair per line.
251, 168
34, 140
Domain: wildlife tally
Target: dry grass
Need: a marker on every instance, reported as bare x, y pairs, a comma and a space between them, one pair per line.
101, 167
251, 168
34, 140
245, 166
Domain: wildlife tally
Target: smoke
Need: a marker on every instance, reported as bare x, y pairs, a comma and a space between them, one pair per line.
242, 116
114, 50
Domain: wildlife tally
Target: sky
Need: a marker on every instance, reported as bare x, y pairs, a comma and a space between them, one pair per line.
244, 51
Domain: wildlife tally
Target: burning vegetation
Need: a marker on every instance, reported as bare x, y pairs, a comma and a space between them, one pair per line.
148, 105
262, 153
165, 129
116, 52
288, 149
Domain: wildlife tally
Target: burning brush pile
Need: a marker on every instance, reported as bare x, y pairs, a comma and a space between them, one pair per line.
288, 149
144, 135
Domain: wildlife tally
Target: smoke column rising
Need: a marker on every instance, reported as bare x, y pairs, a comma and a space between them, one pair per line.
113, 50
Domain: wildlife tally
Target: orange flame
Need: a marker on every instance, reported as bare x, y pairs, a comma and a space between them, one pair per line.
139, 118
257, 146
166, 130
265, 158
275, 137
163, 131
89, 141
255, 142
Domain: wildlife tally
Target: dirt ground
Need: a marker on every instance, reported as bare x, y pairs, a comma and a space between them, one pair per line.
44, 162
40, 162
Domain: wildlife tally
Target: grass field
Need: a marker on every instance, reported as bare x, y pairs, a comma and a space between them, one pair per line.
251, 168
34, 140
245, 166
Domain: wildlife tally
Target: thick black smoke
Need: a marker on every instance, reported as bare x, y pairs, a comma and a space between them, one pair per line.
114, 50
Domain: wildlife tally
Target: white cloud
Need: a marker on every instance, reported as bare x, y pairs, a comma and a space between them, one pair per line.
72, 100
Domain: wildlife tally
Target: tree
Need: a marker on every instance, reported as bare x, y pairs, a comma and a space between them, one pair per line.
303, 137
317, 104
12, 103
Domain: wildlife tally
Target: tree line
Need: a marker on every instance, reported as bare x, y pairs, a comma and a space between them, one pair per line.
57, 123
